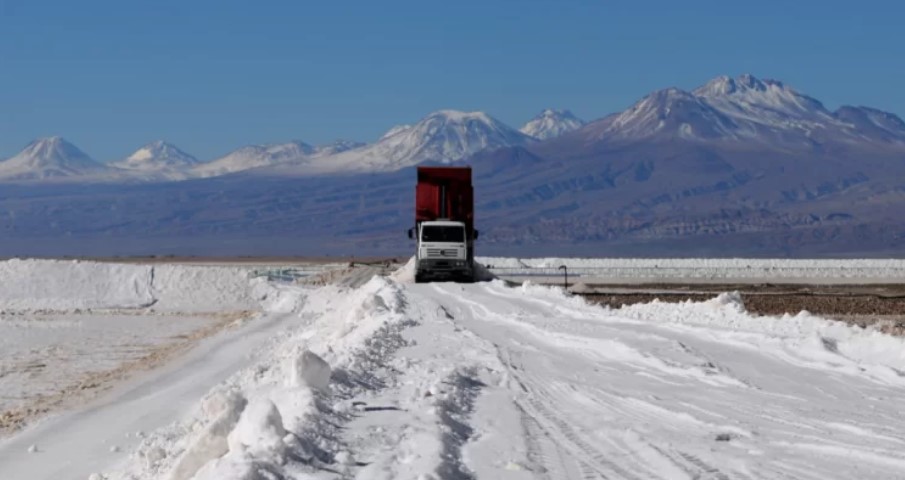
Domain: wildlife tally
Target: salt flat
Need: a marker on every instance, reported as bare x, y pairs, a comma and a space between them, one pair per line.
490, 381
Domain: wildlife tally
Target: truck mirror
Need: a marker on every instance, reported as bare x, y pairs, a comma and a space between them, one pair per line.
411, 234
476, 234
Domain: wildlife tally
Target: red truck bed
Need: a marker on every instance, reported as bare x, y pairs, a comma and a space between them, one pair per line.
459, 195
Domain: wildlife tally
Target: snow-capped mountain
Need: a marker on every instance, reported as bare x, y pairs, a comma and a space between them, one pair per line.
671, 112
258, 156
445, 136
255, 156
338, 146
745, 112
551, 123
762, 100
395, 130
50, 157
157, 156
872, 123
746, 109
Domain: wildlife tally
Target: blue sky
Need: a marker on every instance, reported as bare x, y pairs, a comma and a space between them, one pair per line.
211, 76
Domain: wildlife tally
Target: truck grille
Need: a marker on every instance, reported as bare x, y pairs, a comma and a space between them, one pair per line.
440, 253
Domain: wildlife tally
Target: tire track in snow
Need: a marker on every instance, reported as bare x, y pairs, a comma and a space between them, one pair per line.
782, 401
575, 449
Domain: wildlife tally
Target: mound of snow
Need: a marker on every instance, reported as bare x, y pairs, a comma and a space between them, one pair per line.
67, 285
580, 287
223, 409
308, 369
74, 285
730, 299
202, 288
405, 273
285, 428
802, 339
276, 298
259, 430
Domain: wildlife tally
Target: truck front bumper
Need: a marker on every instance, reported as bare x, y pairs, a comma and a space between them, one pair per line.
446, 268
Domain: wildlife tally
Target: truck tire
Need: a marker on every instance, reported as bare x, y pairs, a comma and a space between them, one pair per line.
419, 278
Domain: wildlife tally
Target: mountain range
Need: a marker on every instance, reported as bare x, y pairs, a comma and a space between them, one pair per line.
445, 136
738, 166
751, 111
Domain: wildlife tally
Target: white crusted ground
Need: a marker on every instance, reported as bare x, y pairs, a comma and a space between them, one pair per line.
462, 381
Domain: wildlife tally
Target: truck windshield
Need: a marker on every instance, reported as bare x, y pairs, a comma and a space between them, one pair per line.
443, 234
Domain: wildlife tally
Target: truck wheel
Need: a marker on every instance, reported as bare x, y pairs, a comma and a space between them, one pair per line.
419, 278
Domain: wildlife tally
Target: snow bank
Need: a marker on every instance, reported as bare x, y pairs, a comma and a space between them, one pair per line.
482, 273
803, 339
223, 409
308, 369
201, 288
405, 273
72, 285
702, 268
276, 418
61, 285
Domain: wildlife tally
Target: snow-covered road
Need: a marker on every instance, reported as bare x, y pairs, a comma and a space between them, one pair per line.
452, 381
689, 391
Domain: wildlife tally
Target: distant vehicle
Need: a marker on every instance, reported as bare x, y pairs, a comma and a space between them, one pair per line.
444, 225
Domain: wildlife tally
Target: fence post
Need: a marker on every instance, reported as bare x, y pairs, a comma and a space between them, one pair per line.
565, 282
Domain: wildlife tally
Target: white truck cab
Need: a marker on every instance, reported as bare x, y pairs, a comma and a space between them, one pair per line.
442, 251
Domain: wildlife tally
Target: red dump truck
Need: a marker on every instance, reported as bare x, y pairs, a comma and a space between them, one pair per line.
444, 224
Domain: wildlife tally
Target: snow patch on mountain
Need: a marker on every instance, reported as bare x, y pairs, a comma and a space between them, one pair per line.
157, 156
872, 123
551, 123
675, 112
285, 154
445, 137
395, 130
50, 157
766, 101
255, 156
338, 146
